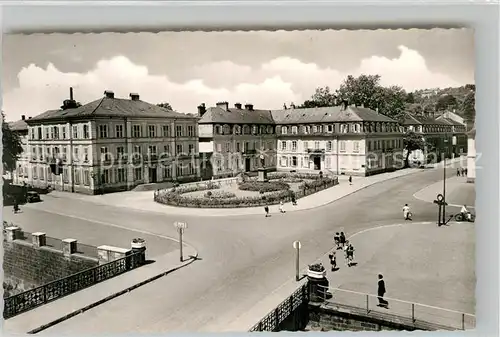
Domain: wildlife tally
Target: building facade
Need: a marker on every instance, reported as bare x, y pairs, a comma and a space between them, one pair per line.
20, 174
232, 140
445, 137
342, 140
111, 144
471, 156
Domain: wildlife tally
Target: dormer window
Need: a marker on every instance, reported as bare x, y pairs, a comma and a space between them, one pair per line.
344, 128
294, 130
270, 130
218, 129
315, 129
255, 129
262, 130
226, 129
237, 129
284, 130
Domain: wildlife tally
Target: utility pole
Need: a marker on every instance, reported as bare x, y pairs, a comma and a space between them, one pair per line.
297, 246
181, 226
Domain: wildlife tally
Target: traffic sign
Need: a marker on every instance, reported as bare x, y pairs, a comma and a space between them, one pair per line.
180, 225
297, 245
440, 197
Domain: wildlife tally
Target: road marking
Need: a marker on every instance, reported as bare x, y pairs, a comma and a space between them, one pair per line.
115, 225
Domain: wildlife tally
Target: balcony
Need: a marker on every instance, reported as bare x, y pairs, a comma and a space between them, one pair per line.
316, 151
249, 151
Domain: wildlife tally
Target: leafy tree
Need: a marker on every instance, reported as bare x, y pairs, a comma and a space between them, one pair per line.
468, 107
391, 101
322, 97
165, 105
470, 87
414, 109
445, 102
412, 141
429, 109
361, 90
12, 148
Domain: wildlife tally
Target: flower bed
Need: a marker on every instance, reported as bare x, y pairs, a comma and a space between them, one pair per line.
225, 199
219, 194
263, 187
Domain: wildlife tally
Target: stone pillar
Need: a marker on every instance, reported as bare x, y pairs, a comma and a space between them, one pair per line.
109, 253
69, 246
139, 248
12, 233
38, 239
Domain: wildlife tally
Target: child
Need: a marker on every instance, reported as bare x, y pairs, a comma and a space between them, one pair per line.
281, 207
333, 260
336, 240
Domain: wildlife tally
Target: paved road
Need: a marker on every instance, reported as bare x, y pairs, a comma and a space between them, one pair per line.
243, 257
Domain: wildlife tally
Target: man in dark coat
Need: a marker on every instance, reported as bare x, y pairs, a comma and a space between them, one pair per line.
381, 292
266, 209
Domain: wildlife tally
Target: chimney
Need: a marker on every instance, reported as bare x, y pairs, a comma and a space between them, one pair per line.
237, 106
71, 93
223, 105
248, 106
134, 96
345, 104
23, 117
201, 109
109, 94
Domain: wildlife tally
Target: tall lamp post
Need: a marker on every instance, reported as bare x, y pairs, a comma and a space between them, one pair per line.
181, 226
297, 246
444, 179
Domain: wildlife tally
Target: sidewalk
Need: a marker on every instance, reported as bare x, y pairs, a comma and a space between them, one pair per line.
76, 303
144, 200
458, 192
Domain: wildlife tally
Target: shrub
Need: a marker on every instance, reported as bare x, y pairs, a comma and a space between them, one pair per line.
263, 187
317, 267
219, 194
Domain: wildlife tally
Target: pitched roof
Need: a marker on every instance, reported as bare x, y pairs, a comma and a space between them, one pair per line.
328, 114
236, 116
111, 107
450, 121
19, 125
424, 120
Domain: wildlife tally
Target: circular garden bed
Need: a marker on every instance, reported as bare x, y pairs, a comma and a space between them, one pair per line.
268, 193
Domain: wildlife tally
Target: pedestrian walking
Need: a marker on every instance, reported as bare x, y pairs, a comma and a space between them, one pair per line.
294, 201
333, 260
350, 180
266, 209
458, 172
381, 292
462, 170
465, 171
406, 212
342, 239
282, 210
336, 240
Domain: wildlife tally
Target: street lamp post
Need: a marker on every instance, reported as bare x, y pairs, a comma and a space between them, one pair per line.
444, 182
297, 246
181, 226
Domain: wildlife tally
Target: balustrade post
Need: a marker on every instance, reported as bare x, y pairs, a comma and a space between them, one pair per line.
45, 294
463, 321
413, 312
367, 304
277, 315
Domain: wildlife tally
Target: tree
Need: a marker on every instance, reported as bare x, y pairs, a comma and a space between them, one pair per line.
322, 97
414, 109
12, 148
469, 107
429, 109
391, 101
165, 105
446, 102
412, 141
361, 90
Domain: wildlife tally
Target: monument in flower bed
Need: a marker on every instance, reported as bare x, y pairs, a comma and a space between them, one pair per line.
247, 192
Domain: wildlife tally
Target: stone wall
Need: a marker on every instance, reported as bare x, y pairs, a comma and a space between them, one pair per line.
30, 264
330, 319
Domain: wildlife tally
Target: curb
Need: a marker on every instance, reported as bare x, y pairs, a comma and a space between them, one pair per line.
110, 297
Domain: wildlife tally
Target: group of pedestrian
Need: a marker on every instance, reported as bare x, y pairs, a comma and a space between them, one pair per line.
343, 244
462, 172
281, 205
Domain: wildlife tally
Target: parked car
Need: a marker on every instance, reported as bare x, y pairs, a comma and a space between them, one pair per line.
33, 197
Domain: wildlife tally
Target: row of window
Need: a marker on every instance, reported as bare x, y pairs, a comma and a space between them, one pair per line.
245, 130
434, 128
341, 127
227, 164
292, 146
152, 150
244, 146
304, 162
56, 132
152, 131
384, 144
82, 176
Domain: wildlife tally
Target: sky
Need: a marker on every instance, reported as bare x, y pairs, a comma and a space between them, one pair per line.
263, 68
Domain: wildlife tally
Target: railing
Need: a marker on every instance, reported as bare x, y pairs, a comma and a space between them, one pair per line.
315, 150
51, 291
399, 310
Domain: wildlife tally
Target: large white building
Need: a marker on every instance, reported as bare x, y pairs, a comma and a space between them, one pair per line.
20, 174
342, 139
111, 144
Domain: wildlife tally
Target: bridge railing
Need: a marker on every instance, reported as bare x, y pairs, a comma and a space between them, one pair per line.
410, 311
51, 291
273, 319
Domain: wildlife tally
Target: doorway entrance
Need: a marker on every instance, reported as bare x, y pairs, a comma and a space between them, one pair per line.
152, 175
317, 163
247, 165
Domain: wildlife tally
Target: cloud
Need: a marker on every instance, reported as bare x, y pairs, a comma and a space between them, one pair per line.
268, 86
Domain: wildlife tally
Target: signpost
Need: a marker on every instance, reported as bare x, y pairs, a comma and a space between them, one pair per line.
297, 246
181, 226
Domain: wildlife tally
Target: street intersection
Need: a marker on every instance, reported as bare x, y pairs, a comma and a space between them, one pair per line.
242, 258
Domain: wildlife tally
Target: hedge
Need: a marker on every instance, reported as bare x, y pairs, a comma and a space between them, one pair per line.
263, 187
175, 197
